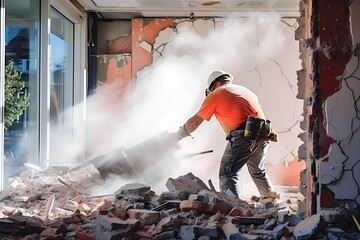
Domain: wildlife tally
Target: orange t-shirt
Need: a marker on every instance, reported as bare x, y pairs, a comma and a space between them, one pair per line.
231, 104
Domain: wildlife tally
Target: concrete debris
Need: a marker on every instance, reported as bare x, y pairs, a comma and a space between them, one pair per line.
309, 227
133, 188
187, 183
39, 206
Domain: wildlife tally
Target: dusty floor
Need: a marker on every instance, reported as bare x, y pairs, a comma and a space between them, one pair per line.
60, 205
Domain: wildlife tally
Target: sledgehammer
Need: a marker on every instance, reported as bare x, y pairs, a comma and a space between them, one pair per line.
190, 155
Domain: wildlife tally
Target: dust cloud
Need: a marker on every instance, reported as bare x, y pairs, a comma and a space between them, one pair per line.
170, 91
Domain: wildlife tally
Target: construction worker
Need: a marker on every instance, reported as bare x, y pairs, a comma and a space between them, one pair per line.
232, 104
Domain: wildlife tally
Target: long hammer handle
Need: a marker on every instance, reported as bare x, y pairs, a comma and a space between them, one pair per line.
194, 154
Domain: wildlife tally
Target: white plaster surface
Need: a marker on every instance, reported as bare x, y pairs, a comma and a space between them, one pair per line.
346, 187
343, 125
334, 170
145, 45
341, 172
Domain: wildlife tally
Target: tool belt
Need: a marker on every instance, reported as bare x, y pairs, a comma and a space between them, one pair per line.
259, 128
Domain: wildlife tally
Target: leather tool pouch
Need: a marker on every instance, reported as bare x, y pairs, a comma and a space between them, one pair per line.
257, 127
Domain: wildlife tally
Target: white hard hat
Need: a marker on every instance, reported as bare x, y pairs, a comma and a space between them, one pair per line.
218, 73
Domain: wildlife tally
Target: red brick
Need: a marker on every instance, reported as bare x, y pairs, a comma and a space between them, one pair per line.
242, 212
77, 199
144, 233
84, 236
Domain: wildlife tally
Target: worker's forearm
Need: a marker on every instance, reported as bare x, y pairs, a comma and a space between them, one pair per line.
193, 123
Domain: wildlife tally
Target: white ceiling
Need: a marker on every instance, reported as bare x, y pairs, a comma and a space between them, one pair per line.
120, 9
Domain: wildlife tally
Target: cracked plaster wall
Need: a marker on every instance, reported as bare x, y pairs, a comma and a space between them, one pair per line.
329, 85
272, 78
340, 173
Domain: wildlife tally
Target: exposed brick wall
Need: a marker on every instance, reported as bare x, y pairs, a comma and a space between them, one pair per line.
326, 45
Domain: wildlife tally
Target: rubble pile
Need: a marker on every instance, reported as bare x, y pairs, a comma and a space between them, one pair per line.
58, 205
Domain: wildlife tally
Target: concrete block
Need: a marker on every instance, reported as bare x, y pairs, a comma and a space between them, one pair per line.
33, 224
188, 183
113, 223
133, 188
147, 217
193, 232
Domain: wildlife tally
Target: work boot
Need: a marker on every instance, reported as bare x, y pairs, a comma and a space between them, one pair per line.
273, 195
270, 195
270, 200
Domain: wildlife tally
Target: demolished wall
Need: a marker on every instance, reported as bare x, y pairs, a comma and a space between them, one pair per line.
329, 85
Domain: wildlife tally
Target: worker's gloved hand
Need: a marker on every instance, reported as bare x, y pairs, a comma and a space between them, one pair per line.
182, 133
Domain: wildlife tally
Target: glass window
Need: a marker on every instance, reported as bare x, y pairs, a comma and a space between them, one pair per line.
22, 34
61, 79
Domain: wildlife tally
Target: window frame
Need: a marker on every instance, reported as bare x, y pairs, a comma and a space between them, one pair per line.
80, 82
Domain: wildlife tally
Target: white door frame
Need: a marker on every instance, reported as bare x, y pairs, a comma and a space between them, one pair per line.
80, 81
2, 90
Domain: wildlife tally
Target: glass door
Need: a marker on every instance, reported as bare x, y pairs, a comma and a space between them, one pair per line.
61, 92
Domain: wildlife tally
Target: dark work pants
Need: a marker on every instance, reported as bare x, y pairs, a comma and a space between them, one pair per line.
238, 152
